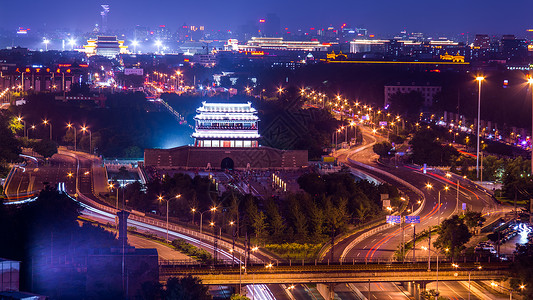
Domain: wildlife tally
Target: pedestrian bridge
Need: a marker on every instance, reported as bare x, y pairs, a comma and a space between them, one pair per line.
272, 274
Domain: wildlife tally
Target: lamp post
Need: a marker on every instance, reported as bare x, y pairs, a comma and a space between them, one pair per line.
212, 209
111, 186
429, 186
69, 126
233, 242
84, 128
134, 43
160, 198
158, 43
470, 272
193, 210
479, 80
429, 270
24, 132
495, 285
46, 122
46, 42
72, 43
32, 128
530, 81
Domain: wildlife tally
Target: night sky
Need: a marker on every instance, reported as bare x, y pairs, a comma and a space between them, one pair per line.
379, 16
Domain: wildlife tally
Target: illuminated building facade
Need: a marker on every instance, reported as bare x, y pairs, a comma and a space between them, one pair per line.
264, 43
226, 125
108, 46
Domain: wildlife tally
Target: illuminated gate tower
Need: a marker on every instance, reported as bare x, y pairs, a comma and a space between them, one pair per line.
226, 125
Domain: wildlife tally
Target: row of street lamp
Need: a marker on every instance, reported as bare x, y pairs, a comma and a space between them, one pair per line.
480, 79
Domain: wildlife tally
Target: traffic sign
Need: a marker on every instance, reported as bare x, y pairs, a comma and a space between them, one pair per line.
412, 219
394, 219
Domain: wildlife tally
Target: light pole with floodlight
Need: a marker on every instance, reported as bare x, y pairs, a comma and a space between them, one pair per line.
84, 128
530, 81
479, 80
212, 209
46, 122
69, 126
160, 198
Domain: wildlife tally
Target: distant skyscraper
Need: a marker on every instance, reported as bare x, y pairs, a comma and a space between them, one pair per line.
513, 49
482, 41
103, 13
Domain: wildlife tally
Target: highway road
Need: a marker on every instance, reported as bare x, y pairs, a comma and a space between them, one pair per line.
382, 245
65, 162
379, 246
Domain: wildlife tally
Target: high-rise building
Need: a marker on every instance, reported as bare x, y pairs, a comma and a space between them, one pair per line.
513, 49
482, 41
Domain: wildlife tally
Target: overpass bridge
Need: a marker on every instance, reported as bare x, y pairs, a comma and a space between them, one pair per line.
332, 274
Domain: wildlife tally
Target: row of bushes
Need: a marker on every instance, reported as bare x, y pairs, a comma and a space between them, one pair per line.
295, 250
192, 251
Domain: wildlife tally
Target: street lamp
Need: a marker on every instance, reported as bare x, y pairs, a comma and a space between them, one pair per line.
530, 82
135, 43
160, 198
158, 43
479, 80
212, 209
470, 272
46, 122
446, 188
46, 42
72, 43
193, 210
280, 90
32, 128
84, 128
24, 133
233, 242
429, 270
495, 285
69, 126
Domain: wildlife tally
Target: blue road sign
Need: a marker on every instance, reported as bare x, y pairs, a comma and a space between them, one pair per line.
394, 219
464, 206
412, 219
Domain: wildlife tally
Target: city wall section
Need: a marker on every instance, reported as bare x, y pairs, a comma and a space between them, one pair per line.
188, 157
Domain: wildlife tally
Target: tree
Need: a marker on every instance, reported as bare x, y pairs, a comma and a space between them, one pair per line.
15, 125
298, 217
473, 219
383, 149
317, 219
9, 146
238, 297
133, 152
186, 288
427, 149
522, 269
407, 103
362, 212
312, 183
275, 222
46, 148
257, 220
453, 235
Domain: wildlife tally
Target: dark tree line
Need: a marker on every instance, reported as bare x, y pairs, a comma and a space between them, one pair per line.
327, 205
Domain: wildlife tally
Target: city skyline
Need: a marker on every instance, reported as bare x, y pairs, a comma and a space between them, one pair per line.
386, 17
